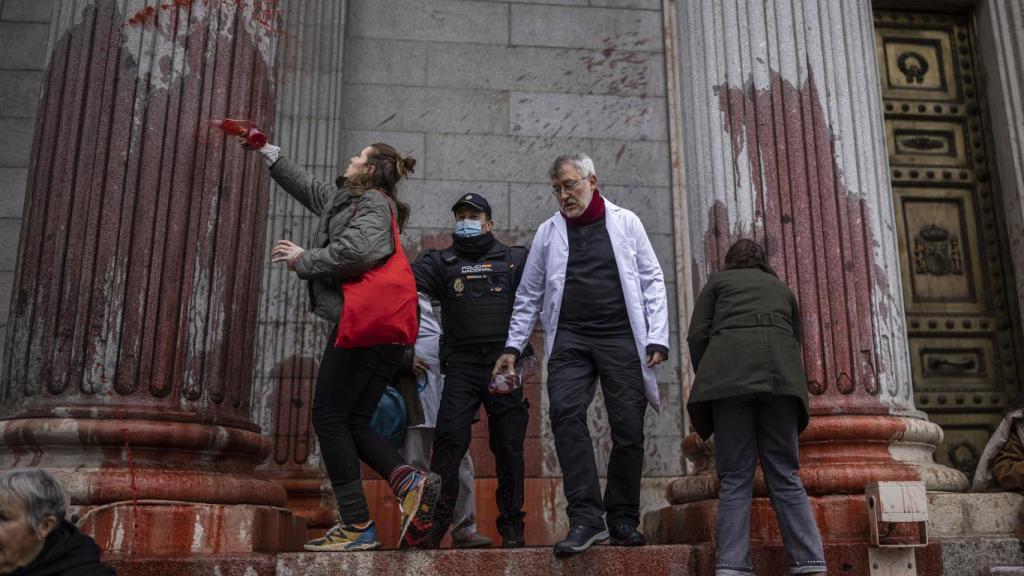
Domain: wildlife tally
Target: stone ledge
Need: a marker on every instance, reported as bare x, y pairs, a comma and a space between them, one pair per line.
953, 514
981, 556
957, 557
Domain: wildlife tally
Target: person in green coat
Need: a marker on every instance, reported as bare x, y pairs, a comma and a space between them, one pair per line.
750, 391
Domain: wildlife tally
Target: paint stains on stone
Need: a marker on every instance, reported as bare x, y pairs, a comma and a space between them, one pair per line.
791, 189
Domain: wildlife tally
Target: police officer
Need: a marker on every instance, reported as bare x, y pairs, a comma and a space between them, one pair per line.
475, 280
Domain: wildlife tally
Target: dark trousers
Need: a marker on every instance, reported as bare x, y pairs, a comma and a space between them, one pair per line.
576, 362
747, 428
465, 388
349, 386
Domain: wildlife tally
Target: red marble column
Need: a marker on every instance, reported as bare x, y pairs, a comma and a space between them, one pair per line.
783, 141
130, 345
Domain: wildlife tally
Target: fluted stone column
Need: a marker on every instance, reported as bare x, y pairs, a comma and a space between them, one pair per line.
1000, 25
290, 339
783, 142
130, 344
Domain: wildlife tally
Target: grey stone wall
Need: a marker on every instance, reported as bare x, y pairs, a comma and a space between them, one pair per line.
24, 34
486, 93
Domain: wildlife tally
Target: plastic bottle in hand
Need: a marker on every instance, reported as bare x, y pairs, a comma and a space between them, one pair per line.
506, 384
246, 128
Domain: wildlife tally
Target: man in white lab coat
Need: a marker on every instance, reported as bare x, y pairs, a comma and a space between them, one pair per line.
596, 283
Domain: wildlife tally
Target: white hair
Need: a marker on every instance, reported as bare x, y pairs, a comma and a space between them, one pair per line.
580, 161
38, 491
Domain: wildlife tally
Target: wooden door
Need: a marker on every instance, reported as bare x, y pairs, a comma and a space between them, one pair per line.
960, 301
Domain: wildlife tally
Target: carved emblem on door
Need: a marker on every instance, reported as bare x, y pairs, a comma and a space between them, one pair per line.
937, 252
913, 65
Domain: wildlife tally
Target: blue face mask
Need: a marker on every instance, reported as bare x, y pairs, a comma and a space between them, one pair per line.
468, 228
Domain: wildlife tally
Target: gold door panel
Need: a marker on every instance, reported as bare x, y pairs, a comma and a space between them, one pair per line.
931, 144
917, 63
963, 330
936, 233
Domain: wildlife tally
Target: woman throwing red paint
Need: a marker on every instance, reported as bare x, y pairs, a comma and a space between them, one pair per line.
359, 219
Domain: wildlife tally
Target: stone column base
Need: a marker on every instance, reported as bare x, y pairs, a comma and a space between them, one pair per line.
950, 515
311, 498
838, 518
152, 528
840, 455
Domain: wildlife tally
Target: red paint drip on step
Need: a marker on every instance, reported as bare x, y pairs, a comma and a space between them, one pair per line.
131, 466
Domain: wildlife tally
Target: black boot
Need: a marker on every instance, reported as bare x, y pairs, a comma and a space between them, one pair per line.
626, 535
512, 536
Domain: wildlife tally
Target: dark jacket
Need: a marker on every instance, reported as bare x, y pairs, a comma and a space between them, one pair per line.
431, 272
744, 338
352, 235
67, 552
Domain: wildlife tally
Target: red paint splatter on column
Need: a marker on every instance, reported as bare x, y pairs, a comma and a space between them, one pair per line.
130, 455
264, 12
815, 231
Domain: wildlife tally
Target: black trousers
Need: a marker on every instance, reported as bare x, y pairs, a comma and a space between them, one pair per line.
576, 362
349, 386
465, 388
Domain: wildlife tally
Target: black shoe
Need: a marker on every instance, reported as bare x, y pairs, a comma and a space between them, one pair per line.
579, 539
626, 535
512, 537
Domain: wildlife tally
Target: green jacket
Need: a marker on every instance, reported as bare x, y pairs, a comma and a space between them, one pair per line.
744, 338
352, 235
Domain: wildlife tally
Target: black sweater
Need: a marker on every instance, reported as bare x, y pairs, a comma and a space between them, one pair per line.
592, 300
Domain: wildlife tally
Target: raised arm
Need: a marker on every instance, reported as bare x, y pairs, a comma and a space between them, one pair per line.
301, 185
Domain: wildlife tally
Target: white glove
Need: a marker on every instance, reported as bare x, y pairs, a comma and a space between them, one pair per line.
269, 153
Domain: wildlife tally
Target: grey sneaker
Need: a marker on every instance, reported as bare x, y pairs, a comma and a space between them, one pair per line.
472, 540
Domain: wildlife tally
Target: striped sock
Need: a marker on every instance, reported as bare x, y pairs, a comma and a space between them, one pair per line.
402, 480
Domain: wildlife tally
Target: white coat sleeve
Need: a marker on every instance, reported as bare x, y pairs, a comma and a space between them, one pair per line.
652, 284
529, 294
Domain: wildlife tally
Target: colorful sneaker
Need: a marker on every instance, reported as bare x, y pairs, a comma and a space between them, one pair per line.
343, 538
418, 509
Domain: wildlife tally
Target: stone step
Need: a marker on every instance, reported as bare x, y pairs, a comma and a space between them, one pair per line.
957, 557
670, 560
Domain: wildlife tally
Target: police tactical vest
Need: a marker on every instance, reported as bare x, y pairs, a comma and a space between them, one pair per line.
480, 297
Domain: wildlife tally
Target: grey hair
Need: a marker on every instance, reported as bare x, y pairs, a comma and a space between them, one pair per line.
38, 491
580, 161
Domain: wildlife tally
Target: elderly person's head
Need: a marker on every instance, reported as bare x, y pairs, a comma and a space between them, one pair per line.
32, 505
573, 181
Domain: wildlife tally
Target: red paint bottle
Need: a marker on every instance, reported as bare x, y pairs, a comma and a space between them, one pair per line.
247, 128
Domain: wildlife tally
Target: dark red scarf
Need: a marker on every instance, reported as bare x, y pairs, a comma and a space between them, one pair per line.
593, 213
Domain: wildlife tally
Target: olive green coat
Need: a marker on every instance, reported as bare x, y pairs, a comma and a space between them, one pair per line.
353, 235
744, 338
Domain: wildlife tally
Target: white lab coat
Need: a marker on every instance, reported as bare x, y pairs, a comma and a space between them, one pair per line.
431, 384
643, 286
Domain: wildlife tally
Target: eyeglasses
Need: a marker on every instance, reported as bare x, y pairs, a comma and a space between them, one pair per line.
569, 187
